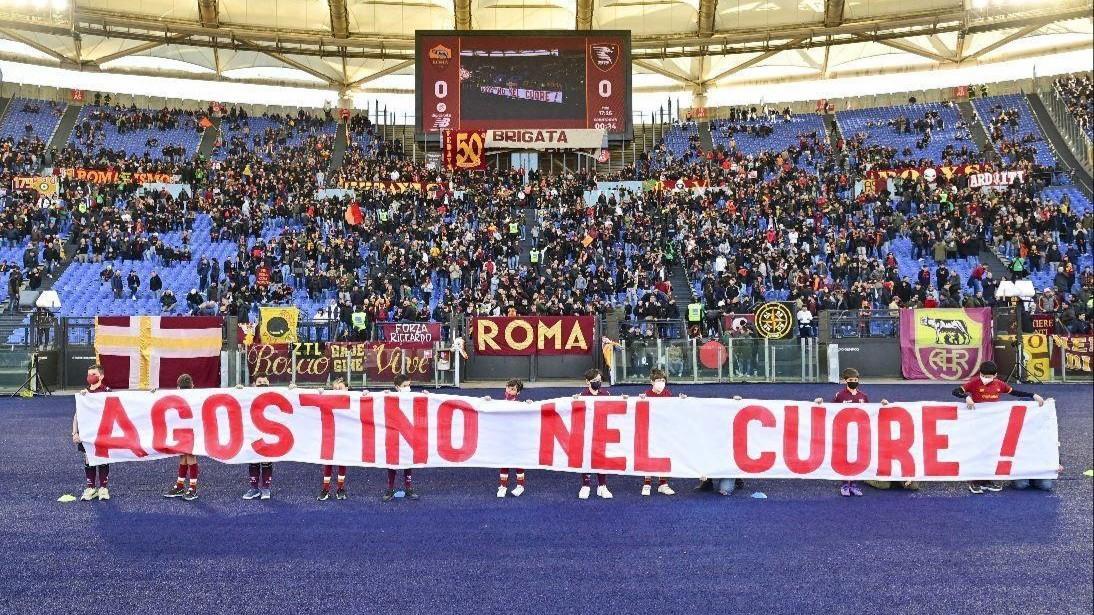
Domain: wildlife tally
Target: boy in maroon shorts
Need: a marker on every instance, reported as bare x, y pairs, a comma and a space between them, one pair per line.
987, 387
850, 394
95, 384
513, 389
339, 384
402, 385
658, 388
188, 464
593, 383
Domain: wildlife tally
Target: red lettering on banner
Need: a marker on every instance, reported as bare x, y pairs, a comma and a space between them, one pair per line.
933, 442
283, 436
470, 444
327, 404
210, 422
368, 431
895, 449
741, 456
182, 440
841, 436
1010, 440
794, 461
642, 460
416, 432
604, 435
553, 429
114, 416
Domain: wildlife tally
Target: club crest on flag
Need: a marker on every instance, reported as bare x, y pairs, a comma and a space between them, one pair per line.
944, 343
278, 324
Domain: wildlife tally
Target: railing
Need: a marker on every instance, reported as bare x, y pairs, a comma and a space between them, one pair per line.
863, 323
729, 359
664, 329
1077, 138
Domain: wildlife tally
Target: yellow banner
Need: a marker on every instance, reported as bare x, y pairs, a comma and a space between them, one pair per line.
278, 324
45, 185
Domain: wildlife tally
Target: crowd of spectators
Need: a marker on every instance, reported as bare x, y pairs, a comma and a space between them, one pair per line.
414, 242
1077, 92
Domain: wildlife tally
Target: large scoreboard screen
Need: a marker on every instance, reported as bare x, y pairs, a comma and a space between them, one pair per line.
501, 79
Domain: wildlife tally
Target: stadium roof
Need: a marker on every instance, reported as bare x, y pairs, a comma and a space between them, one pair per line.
351, 45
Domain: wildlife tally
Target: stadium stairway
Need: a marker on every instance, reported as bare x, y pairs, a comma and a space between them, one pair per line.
681, 290
979, 133
706, 141
1059, 144
526, 243
831, 128
4, 102
10, 322
341, 142
209, 139
64, 127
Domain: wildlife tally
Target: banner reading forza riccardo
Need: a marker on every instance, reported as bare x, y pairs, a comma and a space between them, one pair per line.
667, 437
528, 335
944, 343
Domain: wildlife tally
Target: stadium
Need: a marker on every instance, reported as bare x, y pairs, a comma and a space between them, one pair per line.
550, 306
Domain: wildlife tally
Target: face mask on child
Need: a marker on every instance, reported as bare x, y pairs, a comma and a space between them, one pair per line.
986, 379
92, 379
658, 386
595, 385
852, 384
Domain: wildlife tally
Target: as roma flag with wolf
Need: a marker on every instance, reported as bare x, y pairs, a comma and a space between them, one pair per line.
944, 343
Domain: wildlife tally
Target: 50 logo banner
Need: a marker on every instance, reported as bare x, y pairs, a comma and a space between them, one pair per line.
465, 150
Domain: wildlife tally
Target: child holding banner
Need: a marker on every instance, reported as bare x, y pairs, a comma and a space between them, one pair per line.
658, 388
593, 382
188, 464
850, 394
402, 385
260, 474
513, 389
339, 384
95, 384
986, 387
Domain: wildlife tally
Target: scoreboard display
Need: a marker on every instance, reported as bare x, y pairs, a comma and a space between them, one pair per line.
501, 79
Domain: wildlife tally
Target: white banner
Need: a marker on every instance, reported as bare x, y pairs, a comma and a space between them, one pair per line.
665, 437
998, 180
549, 96
555, 138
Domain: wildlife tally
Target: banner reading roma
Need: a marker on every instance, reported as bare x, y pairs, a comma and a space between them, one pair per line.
944, 343
528, 335
114, 176
664, 437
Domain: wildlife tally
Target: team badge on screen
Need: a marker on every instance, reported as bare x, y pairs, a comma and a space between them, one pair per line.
604, 55
439, 55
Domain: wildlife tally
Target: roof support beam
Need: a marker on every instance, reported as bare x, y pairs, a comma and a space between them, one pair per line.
291, 62
29, 42
907, 48
462, 10
664, 71
339, 18
707, 11
1010, 38
583, 16
209, 13
394, 68
753, 61
139, 49
833, 13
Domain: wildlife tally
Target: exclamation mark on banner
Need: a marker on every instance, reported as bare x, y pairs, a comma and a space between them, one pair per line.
1010, 440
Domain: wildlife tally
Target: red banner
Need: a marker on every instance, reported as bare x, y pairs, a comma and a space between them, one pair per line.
1044, 324
1074, 352
315, 362
528, 335
410, 334
465, 150
979, 177
114, 176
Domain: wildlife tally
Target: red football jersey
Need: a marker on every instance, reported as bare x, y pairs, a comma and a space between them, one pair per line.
102, 389
986, 392
847, 396
664, 393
